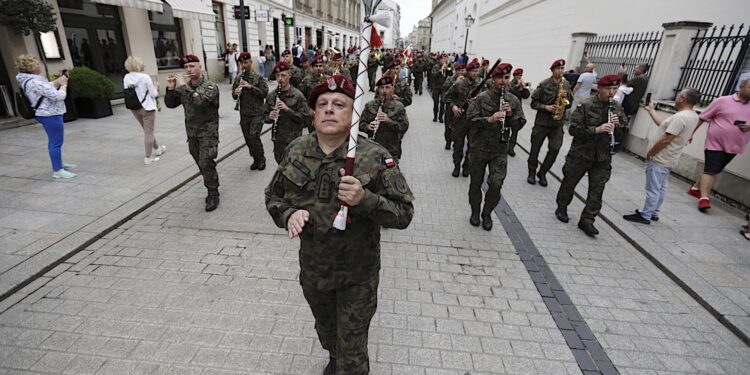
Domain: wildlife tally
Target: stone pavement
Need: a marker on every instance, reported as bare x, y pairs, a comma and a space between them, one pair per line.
178, 290
42, 220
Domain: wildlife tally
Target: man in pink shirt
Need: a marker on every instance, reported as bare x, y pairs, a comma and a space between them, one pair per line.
727, 135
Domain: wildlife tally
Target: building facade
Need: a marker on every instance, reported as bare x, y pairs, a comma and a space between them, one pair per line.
392, 34
327, 23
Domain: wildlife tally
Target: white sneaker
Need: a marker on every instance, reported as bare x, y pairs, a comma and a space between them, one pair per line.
70, 166
158, 151
62, 173
148, 161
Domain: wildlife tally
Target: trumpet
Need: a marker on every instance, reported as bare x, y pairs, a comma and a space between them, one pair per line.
446, 70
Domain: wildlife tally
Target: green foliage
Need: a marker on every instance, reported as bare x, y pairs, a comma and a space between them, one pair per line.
87, 83
27, 16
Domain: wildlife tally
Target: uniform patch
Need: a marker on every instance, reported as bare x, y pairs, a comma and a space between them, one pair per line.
389, 162
400, 183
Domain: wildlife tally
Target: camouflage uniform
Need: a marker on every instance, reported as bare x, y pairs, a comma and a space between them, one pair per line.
446, 107
521, 93
403, 91
339, 270
418, 69
489, 147
386, 62
389, 134
251, 112
343, 71
309, 82
589, 153
372, 70
457, 95
201, 105
289, 123
436, 89
545, 126
297, 76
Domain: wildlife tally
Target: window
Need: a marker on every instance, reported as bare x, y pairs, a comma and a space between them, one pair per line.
166, 35
219, 25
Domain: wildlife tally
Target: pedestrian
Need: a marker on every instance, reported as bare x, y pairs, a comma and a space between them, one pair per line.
232, 64
664, 149
339, 271
638, 83
262, 65
48, 100
520, 89
250, 89
199, 98
270, 60
458, 95
551, 94
591, 151
489, 129
727, 135
384, 118
624, 90
289, 114
146, 92
585, 83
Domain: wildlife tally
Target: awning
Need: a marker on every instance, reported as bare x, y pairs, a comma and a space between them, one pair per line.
154, 5
192, 9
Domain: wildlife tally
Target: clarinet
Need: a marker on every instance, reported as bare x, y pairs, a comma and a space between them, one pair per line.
239, 96
503, 128
275, 126
610, 112
380, 109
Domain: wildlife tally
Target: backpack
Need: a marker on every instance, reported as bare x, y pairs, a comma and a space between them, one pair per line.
23, 105
131, 98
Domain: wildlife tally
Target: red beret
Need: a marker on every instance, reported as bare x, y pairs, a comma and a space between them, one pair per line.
556, 63
336, 83
188, 59
609, 80
517, 71
317, 59
502, 70
396, 63
385, 80
474, 64
244, 56
485, 62
280, 67
460, 66
286, 52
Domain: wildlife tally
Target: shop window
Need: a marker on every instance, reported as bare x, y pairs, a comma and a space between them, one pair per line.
166, 35
221, 40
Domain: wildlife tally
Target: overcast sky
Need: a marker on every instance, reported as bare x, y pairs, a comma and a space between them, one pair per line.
411, 12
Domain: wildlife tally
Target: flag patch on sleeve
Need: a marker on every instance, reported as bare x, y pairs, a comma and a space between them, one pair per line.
389, 162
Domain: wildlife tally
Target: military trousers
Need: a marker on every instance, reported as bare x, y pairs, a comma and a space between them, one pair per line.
342, 320
514, 129
497, 164
371, 78
448, 125
418, 79
460, 133
437, 104
204, 151
573, 171
251, 127
279, 150
554, 137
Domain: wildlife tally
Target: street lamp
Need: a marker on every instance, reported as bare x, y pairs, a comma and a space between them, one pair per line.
469, 21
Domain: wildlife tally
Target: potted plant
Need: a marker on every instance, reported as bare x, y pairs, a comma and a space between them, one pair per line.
91, 92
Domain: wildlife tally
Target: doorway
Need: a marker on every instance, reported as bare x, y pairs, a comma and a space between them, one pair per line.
276, 51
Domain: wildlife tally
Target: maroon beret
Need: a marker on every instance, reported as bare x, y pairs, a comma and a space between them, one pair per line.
396, 63
188, 59
460, 66
518, 71
502, 70
474, 64
385, 80
317, 59
286, 52
609, 80
280, 67
556, 63
336, 83
485, 62
244, 56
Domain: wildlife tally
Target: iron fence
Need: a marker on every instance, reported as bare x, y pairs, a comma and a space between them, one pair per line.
714, 61
611, 52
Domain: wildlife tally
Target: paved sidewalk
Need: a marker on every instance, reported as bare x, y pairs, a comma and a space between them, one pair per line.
42, 220
703, 251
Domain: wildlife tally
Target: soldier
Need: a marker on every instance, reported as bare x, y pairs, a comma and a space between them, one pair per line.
315, 77
372, 70
400, 86
304, 64
200, 100
545, 99
250, 89
338, 270
437, 78
297, 74
337, 65
290, 114
489, 126
518, 88
452, 76
591, 151
386, 61
483, 71
457, 95
384, 119
419, 67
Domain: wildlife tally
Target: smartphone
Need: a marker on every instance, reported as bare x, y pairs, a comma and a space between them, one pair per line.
648, 99
740, 122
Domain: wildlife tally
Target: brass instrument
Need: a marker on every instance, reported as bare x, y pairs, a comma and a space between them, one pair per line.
561, 102
446, 70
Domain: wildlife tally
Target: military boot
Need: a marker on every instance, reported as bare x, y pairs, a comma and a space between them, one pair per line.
466, 170
456, 170
448, 145
212, 201
254, 166
262, 164
542, 178
562, 214
588, 228
474, 219
486, 219
331, 367
532, 177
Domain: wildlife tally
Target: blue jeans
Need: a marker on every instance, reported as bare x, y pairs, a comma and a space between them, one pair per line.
53, 125
656, 189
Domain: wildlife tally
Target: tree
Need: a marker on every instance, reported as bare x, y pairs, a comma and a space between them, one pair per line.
29, 17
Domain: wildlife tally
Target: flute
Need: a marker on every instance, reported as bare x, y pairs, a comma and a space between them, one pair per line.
610, 112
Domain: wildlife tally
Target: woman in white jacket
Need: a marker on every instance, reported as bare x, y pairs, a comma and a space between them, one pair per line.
147, 92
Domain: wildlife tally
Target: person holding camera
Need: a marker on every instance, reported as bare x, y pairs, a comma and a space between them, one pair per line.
146, 93
48, 100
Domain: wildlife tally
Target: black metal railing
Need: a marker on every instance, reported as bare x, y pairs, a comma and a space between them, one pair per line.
610, 52
714, 61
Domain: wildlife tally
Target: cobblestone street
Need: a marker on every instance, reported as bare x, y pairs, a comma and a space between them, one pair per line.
177, 290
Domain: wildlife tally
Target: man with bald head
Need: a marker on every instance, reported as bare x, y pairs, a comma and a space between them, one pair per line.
586, 82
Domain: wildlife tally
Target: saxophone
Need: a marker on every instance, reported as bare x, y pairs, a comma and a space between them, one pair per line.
561, 102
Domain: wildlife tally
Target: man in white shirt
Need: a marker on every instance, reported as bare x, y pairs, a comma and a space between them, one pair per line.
586, 82
232, 64
664, 149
